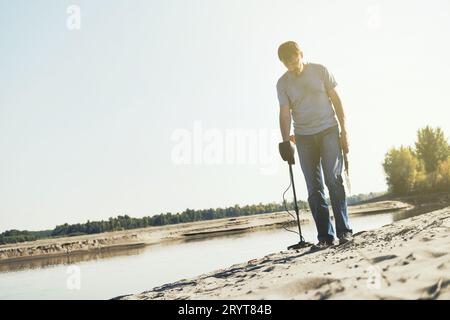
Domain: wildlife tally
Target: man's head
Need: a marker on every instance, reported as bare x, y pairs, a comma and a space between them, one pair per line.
291, 55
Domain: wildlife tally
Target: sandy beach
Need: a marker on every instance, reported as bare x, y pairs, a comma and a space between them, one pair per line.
408, 259
128, 239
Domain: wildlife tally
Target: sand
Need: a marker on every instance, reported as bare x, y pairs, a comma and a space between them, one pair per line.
408, 259
128, 239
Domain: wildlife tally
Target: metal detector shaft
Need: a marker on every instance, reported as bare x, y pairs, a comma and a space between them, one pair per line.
295, 203
287, 152
302, 243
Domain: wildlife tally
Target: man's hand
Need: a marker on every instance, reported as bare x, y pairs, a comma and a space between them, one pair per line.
287, 151
344, 142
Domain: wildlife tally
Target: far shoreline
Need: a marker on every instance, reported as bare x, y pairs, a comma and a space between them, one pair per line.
140, 238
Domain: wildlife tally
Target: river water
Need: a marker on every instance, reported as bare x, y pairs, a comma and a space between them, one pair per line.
110, 274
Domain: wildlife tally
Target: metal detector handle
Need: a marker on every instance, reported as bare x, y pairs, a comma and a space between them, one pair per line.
287, 151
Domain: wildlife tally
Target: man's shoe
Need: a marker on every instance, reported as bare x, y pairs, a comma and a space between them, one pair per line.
346, 237
322, 245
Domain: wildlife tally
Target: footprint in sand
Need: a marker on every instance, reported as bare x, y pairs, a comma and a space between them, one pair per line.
320, 285
271, 268
435, 290
407, 260
383, 258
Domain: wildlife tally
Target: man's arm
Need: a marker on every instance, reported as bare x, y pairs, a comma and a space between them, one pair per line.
337, 103
285, 122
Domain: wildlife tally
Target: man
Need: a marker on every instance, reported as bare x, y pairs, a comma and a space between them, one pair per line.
307, 94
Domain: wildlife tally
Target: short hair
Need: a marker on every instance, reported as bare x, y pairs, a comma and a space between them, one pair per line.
288, 49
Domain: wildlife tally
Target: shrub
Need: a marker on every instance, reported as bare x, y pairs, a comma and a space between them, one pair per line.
400, 166
443, 175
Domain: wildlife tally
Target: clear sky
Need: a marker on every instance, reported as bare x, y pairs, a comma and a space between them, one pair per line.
88, 117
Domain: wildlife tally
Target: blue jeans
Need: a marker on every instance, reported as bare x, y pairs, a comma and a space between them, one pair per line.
317, 153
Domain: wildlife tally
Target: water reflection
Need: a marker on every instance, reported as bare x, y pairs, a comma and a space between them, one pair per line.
36, 263
417, 210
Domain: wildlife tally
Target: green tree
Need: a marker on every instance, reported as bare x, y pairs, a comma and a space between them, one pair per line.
443, 175
431, 147
400, 166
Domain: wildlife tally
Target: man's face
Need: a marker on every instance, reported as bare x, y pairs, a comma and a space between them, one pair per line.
293, 63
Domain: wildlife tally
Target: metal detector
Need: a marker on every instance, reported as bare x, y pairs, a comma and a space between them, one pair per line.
287, 151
